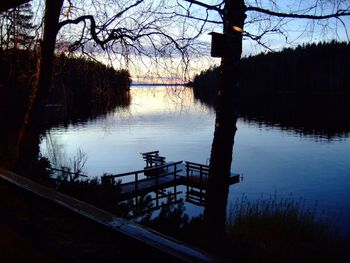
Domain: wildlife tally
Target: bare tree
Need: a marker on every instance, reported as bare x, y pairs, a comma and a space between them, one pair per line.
126, 28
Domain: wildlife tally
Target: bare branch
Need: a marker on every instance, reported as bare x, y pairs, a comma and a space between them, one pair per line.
123, 12
206, 20
337, 14
208, 7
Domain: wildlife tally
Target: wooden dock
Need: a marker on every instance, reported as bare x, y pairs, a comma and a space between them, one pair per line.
159, 174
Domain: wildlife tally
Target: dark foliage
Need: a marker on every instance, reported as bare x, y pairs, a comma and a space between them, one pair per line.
309, 69
17, 75
86, 88
80, 88
93, 192
173, 221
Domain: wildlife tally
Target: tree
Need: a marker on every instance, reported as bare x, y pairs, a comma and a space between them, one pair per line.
135, 28
17, 27
234, 14
42, 82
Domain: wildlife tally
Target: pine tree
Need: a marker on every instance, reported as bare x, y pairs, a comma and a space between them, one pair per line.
16, 29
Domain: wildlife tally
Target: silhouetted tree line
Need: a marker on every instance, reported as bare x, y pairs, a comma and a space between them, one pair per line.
306, 89
87, 88
82, 88
14, 93
308, 69
16, 67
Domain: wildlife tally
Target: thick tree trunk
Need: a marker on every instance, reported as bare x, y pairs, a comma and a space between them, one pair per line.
33, 116
225, 126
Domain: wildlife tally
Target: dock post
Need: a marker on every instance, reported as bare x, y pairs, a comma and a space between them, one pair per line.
136, 179
175, 171
187, 171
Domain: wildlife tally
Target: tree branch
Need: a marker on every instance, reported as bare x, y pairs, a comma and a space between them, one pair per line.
337, 14
122, 12
194, 18
82, 19
209, 7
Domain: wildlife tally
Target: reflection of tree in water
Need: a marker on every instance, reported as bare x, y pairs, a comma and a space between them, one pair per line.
318, 116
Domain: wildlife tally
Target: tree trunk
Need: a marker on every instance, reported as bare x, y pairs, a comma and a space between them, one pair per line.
225, 127
33, 117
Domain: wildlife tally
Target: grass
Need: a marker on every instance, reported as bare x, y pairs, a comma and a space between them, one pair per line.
281, 230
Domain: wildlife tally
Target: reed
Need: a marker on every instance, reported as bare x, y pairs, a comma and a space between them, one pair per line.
277, 229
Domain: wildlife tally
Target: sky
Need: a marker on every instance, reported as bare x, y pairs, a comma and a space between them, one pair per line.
154, 59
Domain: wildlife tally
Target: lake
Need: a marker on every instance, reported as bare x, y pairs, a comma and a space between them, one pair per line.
272, 160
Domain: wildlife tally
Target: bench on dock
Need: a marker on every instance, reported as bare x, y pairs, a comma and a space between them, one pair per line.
153, 159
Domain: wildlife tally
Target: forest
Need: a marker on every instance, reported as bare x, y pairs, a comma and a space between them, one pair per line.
308, 69
82, 87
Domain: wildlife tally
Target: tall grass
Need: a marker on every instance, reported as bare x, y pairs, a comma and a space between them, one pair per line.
277, 229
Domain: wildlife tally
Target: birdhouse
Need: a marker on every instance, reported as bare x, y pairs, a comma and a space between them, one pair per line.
217, 44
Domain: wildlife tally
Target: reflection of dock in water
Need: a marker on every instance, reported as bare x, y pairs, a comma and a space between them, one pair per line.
159, 174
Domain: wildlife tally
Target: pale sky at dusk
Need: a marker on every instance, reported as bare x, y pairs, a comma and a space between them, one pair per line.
165, 64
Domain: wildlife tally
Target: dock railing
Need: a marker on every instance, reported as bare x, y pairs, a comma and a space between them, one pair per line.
196, 173
65, 174
197, 168
155, 171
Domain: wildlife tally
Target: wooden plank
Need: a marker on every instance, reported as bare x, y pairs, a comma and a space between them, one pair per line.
152, 158
197, 165
149, 184
150, 153
166, 165
147, 236
67, 172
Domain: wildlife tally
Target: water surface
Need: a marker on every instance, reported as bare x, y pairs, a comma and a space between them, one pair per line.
273, 160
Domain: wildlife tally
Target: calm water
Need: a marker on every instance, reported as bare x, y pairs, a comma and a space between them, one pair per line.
272, 160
